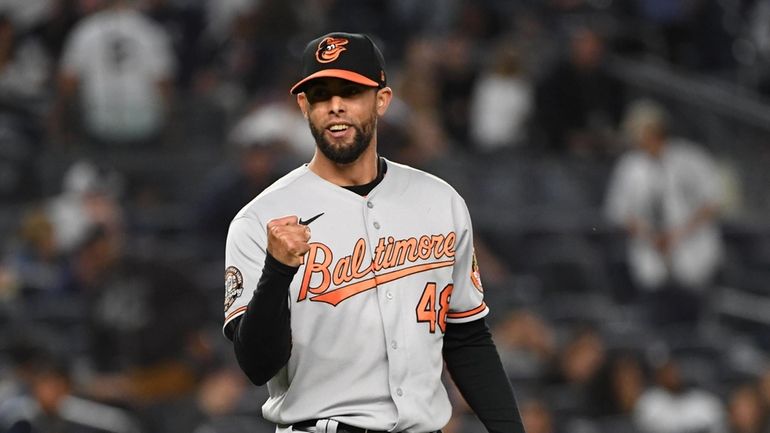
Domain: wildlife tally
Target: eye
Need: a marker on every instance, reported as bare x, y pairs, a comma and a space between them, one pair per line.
349, 91
317, 94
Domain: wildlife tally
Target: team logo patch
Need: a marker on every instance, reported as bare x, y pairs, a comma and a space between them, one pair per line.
233, 286
330, 49
475, 274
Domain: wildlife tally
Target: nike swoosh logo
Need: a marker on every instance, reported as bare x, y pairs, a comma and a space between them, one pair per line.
308, 221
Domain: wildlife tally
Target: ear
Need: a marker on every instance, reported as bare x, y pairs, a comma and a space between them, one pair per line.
302, 102
384, 96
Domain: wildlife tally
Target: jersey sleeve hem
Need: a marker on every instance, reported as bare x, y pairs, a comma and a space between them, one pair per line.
231, 316
469, 315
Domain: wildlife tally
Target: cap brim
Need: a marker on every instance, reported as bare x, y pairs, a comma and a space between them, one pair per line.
335, 73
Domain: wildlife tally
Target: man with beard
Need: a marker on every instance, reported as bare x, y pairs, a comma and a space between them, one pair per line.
348, 324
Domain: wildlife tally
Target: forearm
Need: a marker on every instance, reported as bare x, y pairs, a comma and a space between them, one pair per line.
475, 367
262, 335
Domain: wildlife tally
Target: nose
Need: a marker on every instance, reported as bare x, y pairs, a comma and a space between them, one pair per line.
336, 105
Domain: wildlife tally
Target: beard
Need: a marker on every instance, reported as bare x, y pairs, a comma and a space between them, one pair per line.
345, 154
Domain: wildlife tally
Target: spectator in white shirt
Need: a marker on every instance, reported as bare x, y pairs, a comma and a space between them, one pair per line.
501, 104
121, 66
666, 194
673, 407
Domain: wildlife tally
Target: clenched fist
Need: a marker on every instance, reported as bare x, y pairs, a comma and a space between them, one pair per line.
287, 240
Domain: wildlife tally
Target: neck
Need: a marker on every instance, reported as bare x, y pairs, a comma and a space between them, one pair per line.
359, 172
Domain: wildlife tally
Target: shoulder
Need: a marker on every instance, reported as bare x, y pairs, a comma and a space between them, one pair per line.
633, 163
653, 398
685, 153
633, 157
685, 148
141, 27
417, 178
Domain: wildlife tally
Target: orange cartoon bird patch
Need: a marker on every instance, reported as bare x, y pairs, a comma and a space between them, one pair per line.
330, 49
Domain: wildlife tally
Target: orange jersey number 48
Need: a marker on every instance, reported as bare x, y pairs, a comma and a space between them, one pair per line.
432, 312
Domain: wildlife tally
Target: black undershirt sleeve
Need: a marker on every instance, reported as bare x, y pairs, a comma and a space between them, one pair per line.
472, 360
262, 335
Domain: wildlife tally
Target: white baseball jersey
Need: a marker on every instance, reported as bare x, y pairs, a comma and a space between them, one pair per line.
120, 57
384, 275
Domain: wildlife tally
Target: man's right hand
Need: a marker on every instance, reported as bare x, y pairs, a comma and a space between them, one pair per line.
287, 240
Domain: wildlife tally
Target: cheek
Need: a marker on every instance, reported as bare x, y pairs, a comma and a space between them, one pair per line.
314, 117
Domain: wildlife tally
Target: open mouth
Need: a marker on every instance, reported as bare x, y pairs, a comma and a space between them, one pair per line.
338, 130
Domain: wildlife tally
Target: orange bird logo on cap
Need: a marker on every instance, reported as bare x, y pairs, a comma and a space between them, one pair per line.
329, 49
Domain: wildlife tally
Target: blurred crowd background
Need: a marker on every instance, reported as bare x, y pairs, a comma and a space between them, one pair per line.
614, 155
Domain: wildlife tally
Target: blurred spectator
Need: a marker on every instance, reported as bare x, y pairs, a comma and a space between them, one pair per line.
537, 417
183, 23
34, 263
21, 351
25, 69
56, 24
574, 369
416, 83
49, 406
666, 194
618, 386
416, 115
262, 140
747, 412
428, 142
526, 344
581, 357
481, 21
247, 53
226, 404
578, 103
671, 406
456, 75
501, 103
89, 198
25, 72
121, 66
220, 15
139, 355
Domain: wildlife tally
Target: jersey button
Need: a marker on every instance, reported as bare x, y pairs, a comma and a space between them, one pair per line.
399, 392
369, 204
376, 225
394, 345
389, 295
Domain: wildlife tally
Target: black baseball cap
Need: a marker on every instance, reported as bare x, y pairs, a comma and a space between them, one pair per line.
350, 56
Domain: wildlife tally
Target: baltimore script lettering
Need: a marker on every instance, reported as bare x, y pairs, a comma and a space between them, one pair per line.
389, 253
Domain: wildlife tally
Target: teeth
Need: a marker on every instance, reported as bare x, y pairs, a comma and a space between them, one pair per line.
338, 127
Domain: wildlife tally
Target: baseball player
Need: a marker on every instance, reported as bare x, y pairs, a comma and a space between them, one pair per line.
349, 278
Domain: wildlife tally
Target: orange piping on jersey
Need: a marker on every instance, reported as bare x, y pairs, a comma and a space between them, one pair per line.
336, 296
469, 313
236, 312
